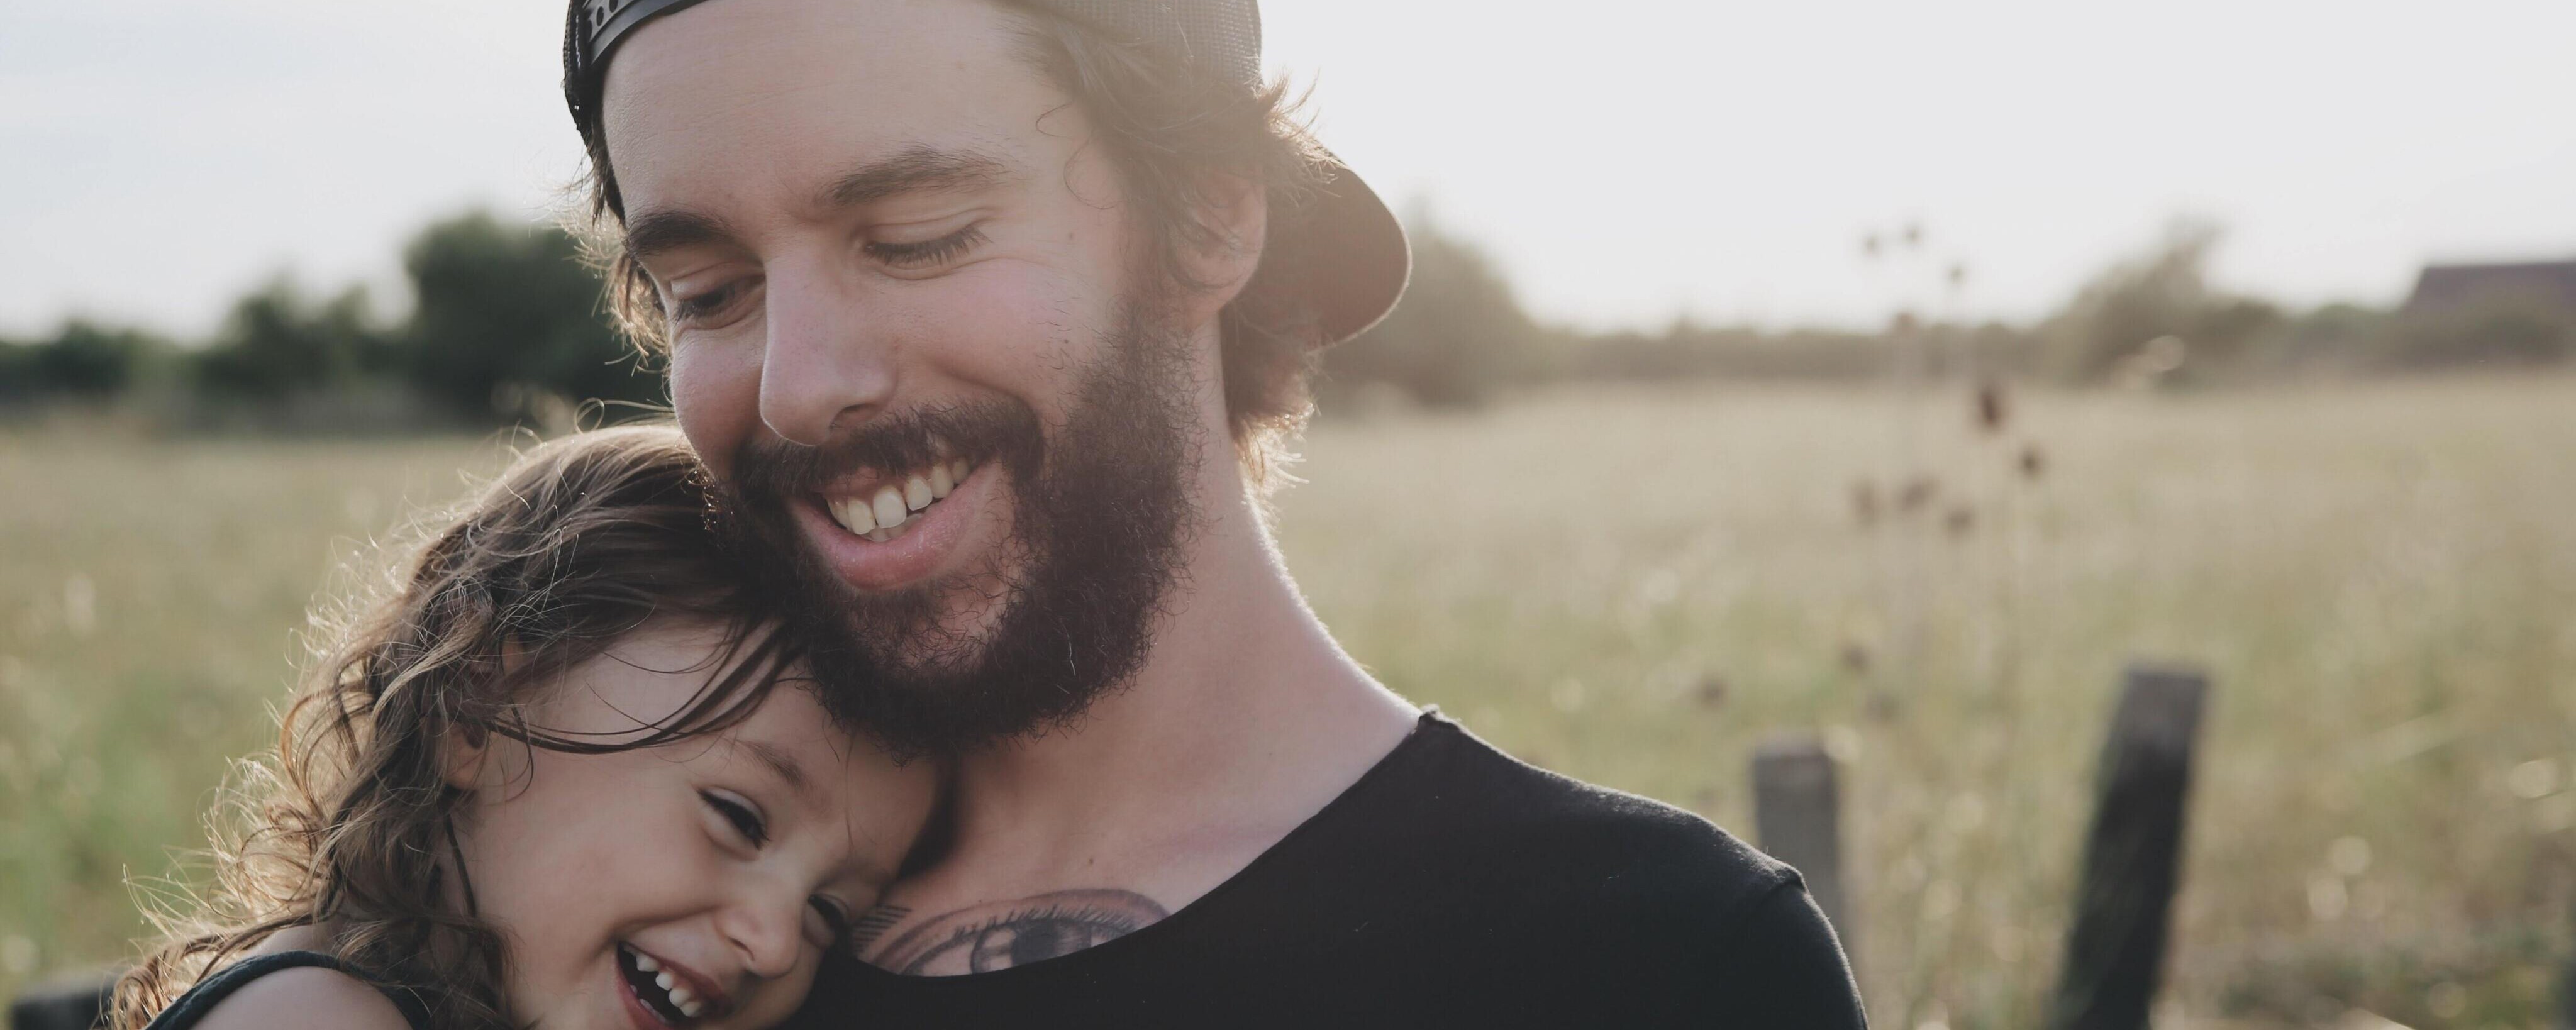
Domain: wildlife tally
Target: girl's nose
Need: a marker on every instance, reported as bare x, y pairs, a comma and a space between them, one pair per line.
768, 931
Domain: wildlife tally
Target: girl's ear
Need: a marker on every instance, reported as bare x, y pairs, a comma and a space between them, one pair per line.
461, 753
465, 749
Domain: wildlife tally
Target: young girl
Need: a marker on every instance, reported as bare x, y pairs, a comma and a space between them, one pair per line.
565, 775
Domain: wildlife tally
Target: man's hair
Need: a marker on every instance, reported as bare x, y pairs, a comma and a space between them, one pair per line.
1171, 129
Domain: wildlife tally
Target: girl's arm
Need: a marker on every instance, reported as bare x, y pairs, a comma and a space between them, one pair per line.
311, 998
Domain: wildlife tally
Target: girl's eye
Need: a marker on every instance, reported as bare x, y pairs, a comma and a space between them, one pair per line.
745, 819
831, 923
927, 253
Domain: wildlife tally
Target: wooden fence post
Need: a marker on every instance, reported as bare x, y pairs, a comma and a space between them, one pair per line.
2132, 860
71, 1003
2567, 988
1797, 807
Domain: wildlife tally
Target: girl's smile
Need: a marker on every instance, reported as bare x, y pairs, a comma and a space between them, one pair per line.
695, 883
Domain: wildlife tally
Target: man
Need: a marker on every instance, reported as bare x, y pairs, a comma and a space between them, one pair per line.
991, 316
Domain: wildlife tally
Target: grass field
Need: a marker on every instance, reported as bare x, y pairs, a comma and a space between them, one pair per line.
1636, 587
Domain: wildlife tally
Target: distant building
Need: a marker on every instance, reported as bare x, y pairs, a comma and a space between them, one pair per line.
2450, 286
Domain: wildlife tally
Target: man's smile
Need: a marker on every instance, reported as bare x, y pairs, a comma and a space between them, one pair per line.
885, 529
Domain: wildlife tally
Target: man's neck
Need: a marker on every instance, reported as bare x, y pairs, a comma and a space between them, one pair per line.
1244, 721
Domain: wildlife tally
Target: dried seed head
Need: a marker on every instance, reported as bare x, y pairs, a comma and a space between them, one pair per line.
1993, 408
1712, 690
1917, 495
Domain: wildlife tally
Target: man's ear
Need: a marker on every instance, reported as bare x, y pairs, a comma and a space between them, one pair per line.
1236, 213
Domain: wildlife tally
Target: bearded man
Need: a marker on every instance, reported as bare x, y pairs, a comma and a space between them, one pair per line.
992, 317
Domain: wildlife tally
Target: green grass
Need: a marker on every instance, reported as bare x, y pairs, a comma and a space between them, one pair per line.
1636, 587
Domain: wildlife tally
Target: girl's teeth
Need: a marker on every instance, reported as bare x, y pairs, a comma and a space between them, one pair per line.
691, 1009
917, 493
681, 999
645, 962
663, 980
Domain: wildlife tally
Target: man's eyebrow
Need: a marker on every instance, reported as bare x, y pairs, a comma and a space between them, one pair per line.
653, 232
914, 169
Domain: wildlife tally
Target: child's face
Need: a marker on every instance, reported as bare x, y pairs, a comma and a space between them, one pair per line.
728, 861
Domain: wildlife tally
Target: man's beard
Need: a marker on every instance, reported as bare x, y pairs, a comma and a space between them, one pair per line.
1098, 516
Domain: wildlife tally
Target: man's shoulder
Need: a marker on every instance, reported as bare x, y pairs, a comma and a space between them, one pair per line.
1506, 894
1494, 816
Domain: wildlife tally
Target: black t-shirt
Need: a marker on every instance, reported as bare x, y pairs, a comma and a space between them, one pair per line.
1451, 886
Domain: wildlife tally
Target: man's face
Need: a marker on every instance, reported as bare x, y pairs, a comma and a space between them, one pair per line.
906, 330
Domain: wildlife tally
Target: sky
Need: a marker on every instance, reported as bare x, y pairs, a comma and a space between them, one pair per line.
1625, 162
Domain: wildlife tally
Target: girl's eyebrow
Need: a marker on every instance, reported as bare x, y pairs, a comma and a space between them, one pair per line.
780, 762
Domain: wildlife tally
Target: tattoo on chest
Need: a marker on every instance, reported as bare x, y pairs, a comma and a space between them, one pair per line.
874, 924
1002, 934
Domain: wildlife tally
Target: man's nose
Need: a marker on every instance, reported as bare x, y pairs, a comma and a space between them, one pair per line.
826, 364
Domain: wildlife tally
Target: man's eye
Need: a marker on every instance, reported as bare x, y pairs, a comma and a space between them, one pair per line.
745, 820
927, 253
707, 307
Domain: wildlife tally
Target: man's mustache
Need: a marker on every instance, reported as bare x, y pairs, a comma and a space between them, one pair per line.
905, 440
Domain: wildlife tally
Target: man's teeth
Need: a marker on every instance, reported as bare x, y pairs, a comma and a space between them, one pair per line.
889, 508
879, 515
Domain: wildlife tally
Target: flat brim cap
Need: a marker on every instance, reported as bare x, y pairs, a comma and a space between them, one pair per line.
1350, 261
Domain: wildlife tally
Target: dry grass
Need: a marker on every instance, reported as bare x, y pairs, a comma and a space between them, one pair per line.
1636, 587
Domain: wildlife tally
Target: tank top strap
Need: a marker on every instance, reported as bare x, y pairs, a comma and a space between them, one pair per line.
192, 1006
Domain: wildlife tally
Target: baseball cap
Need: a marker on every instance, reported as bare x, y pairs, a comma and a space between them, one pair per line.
1353, 260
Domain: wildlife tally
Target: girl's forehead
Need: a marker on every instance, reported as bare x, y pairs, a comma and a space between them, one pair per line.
648, 676
793, 742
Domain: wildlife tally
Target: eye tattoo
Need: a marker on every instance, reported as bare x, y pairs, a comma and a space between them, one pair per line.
1015, 933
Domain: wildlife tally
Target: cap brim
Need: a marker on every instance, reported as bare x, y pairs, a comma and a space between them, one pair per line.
1354, 259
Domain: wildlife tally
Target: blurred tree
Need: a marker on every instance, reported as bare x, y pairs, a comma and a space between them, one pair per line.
83, 360
1457, 335
507, 311
2164, 293
275, 343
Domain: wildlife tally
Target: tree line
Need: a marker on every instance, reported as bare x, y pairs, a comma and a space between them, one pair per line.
505, 317
507, 325
2151, 319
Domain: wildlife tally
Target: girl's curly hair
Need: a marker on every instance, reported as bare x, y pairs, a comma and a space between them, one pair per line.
347, 825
